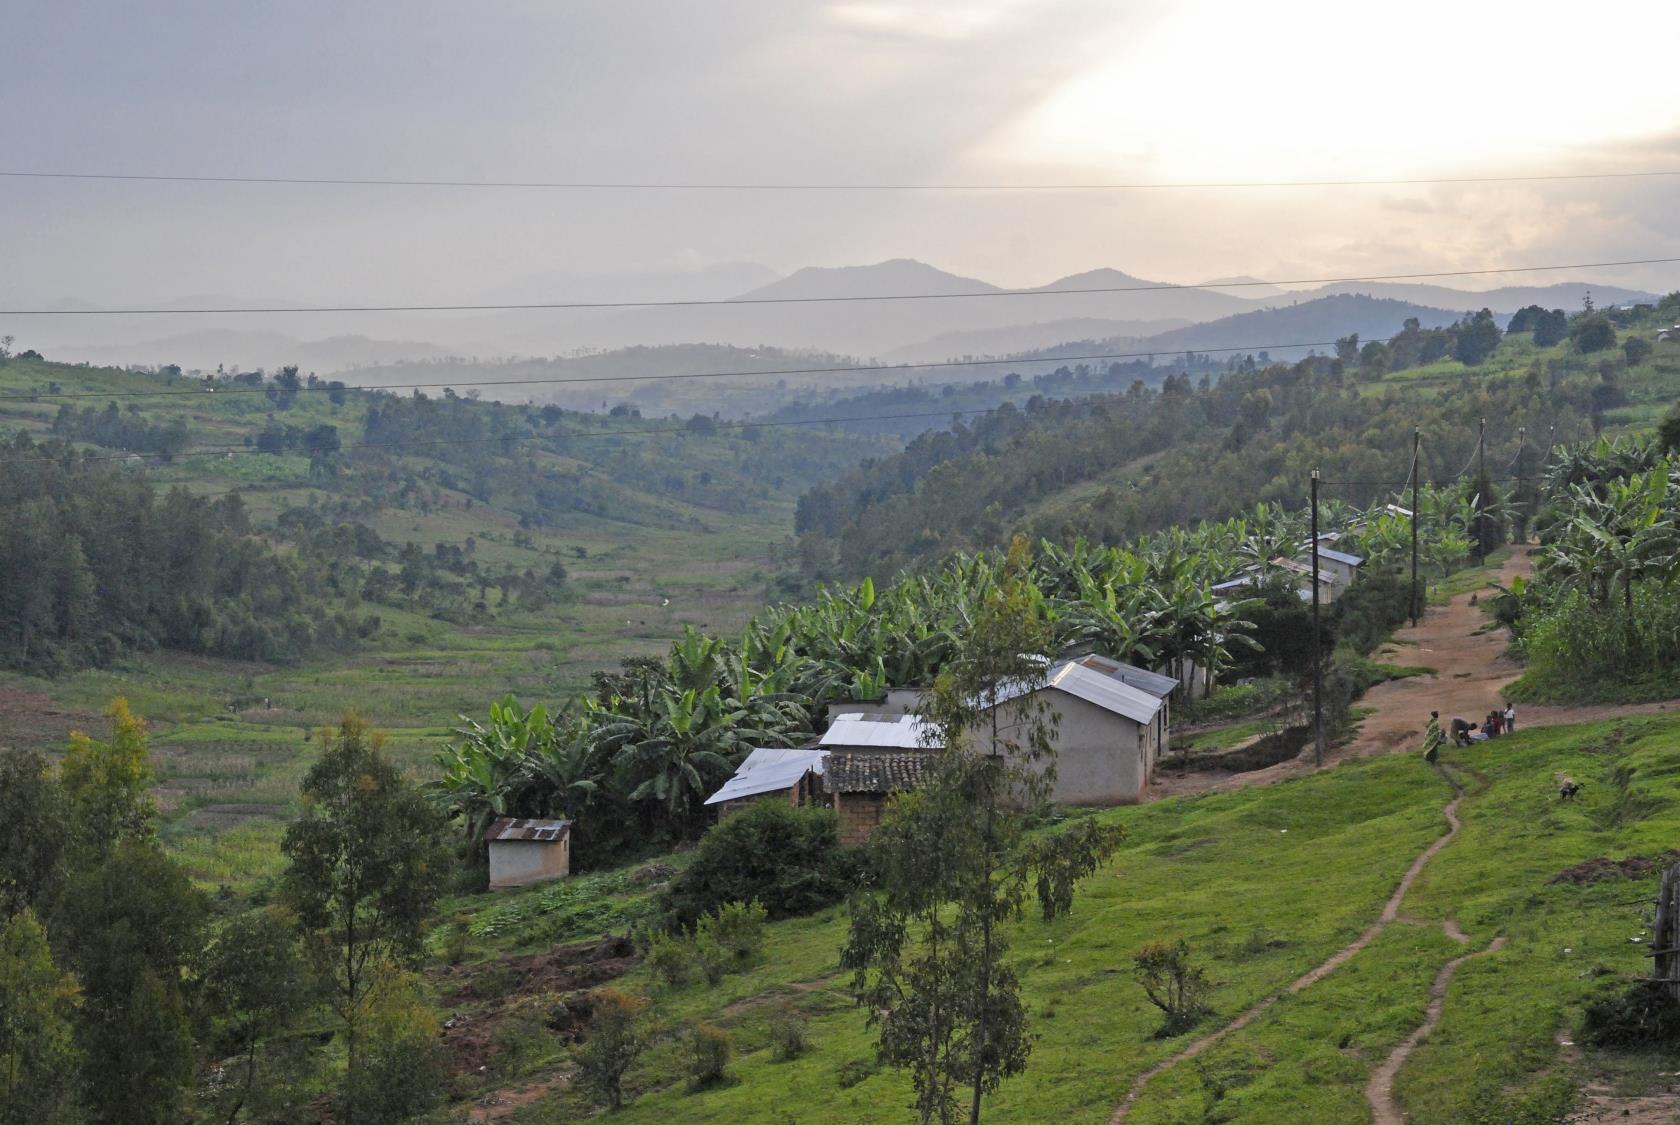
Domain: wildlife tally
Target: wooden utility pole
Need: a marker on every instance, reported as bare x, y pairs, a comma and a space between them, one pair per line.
1417, 439
1318, 639
1481, 479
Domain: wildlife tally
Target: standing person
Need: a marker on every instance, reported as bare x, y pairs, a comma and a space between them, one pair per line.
1432, 738
1495, 720
1510, 718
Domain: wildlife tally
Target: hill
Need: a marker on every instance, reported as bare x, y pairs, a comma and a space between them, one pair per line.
1566, 295
1317, 320
1112, 466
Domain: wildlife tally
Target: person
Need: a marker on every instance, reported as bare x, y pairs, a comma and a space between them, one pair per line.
1432, 738
1494, 720
1510, 718
1461, 732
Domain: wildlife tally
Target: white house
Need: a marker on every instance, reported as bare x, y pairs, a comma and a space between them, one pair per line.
524, 851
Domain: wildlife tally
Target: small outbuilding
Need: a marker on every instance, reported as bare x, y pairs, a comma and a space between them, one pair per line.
871, 757
773, 773
524, 851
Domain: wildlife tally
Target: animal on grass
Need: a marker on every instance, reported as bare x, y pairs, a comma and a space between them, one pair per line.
1569, 789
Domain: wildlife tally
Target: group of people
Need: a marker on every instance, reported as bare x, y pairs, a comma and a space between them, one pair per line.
1464, 733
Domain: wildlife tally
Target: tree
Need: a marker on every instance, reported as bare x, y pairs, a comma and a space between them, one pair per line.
128, 927
33, 817
255, 985
399, 1072
1637, 349
367, 864
926, 946
616, 1038
1172, 984
1593, 333
37, 1005
1476, 338
108, 783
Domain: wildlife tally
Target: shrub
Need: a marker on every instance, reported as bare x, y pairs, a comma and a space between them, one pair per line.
399, 1070
789, 860
616, 1038
1643, 1016
710, 959
788, 1038
737, 928
708, 1055
671, 958
854, 1071
1173, 985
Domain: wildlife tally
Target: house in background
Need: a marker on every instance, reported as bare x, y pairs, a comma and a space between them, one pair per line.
1342, 567
792, 775
524, 851
871, 757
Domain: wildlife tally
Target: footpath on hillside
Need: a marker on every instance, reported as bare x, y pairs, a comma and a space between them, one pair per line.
1466, 651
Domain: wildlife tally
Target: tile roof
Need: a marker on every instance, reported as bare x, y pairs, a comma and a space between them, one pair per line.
509, 828
768, 770
874, 771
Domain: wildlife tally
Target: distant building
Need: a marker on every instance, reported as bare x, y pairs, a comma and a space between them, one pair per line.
871, 757
769, 773
524, 851
1342, 567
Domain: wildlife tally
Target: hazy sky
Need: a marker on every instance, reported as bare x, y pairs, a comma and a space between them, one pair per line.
780, 90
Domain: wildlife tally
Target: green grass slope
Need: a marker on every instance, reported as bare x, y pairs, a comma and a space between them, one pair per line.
1265, 884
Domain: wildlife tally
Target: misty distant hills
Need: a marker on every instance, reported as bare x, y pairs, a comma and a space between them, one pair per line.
1318, 321
958, 317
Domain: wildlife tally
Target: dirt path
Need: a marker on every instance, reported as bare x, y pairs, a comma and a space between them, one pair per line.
1390, 912
1471, 670
501, 1105
1379, 1091
1600, 1102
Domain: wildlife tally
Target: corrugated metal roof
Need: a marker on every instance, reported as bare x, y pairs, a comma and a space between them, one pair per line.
1141, 678
1340, 556
1103, 691
889, 732
510, 828
768, 770
867, 771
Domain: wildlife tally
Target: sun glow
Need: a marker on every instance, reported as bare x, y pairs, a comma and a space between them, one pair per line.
1350, 90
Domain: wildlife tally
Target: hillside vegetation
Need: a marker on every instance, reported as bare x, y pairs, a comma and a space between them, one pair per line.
1113, 466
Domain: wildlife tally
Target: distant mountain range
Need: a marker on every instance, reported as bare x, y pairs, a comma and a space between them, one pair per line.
953, 317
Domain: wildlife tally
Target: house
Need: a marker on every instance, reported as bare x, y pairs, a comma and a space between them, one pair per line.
526, 851
1109, 733
1155, 683
1342, 567
1301, 573
773, 773
870, 757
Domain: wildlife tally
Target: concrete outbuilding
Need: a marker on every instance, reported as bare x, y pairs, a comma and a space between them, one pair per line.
525, 851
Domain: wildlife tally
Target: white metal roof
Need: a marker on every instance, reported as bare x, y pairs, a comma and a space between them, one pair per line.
1340, 556
769, 769
1141, 678
1105, 692
889, 732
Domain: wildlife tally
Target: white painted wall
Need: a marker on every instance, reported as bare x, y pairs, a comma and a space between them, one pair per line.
516, 863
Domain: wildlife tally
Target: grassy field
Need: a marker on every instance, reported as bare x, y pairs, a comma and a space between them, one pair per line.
1263, 884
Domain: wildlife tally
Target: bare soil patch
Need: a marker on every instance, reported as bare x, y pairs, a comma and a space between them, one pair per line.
1602, 868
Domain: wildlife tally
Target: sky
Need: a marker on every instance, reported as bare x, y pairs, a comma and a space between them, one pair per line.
859, 91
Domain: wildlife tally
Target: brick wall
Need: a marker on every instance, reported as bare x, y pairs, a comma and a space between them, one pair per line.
860, 814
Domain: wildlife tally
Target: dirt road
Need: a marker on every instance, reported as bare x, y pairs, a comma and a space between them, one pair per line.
1467, 652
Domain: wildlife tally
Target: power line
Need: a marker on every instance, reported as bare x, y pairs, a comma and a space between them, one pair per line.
703, 186
320, 386
744, 301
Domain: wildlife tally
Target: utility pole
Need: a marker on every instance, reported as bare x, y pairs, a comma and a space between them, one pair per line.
1522, 444
1481, 479
1318, 639
1417, 439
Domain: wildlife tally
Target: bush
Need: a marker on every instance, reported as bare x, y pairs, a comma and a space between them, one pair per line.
789, 860
708, 1055
399, 1069
788, 1039
1644, 1016
671, 958
854, 1071
710, 959
737, 929
1173, 985
616, 1038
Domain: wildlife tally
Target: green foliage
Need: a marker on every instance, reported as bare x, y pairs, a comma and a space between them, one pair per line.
1593, 333
1639, 1017
33, 814
108, 783
616, 1039
737, 928
37, 1006
787, 859
789, 1033
95, 563
127, 927
708, 1055
255, 984
1173, 984
398, 1070
366, 868
670, 957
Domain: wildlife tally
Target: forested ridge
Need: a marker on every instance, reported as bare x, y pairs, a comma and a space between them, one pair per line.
1109, 467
